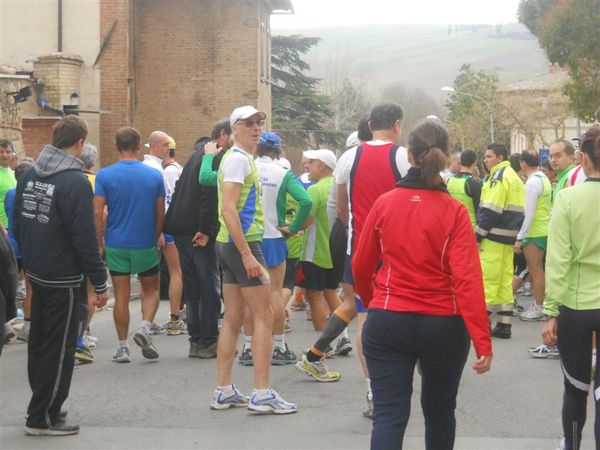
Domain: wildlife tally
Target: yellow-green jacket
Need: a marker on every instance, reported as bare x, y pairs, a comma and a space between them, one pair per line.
573, 255
500, 214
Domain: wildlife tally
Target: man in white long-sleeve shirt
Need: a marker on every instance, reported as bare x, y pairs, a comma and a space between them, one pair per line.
533, 234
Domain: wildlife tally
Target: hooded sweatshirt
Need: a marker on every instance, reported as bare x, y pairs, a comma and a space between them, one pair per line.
53, 223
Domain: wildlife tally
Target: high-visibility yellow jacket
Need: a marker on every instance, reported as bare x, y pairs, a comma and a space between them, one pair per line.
500, 214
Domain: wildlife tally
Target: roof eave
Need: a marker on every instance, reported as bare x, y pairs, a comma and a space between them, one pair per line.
281, 6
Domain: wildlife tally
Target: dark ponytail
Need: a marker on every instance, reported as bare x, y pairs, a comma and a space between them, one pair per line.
595, 155
590, 145
428, 143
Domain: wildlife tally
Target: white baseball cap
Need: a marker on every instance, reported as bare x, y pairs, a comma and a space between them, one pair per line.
284, 162
324, 155
245, 112
352, 140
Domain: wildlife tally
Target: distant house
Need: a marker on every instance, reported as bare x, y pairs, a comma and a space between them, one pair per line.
178, 66
540, 111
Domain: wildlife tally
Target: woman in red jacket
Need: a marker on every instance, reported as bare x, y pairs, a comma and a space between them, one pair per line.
417, 269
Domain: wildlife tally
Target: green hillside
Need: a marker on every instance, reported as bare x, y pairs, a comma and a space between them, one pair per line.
424, 56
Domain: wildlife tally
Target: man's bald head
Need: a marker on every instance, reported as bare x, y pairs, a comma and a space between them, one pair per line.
159, 144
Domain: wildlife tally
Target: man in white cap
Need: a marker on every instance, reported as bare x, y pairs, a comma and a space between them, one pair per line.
319, 281
245, 277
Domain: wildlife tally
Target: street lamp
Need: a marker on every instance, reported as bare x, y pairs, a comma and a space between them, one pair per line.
451, 89
462, 134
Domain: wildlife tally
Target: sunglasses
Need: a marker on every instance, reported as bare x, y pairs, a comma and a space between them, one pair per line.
251, 123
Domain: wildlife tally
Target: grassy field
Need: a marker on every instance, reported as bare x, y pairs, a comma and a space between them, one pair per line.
423, 56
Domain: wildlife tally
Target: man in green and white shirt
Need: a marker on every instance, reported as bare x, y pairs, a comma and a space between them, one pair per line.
245, 277
319, 281
533, 235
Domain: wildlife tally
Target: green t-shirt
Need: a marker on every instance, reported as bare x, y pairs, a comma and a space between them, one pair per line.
294, 243
7, 182
315, 247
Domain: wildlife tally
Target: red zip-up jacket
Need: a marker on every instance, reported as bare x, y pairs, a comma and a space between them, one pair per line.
417, 253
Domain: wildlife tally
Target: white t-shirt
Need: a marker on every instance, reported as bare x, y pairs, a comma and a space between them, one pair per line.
155, 162
171, 174
271, 177
344, 167
236, 167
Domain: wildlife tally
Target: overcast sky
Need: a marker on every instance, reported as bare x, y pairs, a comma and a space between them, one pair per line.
319, 13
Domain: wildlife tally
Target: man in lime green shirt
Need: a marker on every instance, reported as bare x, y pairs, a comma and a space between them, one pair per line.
317, 267
7, 176
246, 283
561, 160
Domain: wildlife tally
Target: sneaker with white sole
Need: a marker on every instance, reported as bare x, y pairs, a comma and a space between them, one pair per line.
225, 399
157, 329
144, 340
273, 403
175, 327
534, 313
343, 347
57, 429
282, 357
122, 355
9, 333
544, 352
318, 370
245, 359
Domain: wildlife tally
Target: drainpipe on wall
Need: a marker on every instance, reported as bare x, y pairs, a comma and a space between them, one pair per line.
60, 26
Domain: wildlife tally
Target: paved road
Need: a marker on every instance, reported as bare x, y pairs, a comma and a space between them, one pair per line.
164, 404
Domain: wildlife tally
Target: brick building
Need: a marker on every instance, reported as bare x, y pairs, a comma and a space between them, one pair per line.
178, 66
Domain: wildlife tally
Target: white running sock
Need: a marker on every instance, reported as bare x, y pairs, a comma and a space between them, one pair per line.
146, 326
345, 333
227, 389
123, 344
261, 392
247, 343
369, 391
279, 341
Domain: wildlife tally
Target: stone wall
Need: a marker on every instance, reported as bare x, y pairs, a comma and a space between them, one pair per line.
10, 114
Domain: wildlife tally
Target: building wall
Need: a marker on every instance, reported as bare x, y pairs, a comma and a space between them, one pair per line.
37, 132
214, 67
117, 77
178, 66
29, 29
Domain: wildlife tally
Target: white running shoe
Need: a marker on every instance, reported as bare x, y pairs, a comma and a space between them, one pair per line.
273, 403
534, 313
543, 352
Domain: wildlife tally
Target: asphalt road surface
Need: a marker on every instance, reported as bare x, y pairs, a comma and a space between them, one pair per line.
164, 404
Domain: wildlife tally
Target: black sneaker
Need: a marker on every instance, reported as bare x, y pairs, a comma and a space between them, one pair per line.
281, 358
502, 331
57, 429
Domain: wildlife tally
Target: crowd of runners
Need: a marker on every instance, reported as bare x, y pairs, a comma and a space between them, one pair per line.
371, 233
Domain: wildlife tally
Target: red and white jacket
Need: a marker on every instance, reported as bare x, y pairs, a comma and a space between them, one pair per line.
417, 253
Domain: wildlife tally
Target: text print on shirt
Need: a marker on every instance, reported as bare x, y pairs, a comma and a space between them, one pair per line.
37, 201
